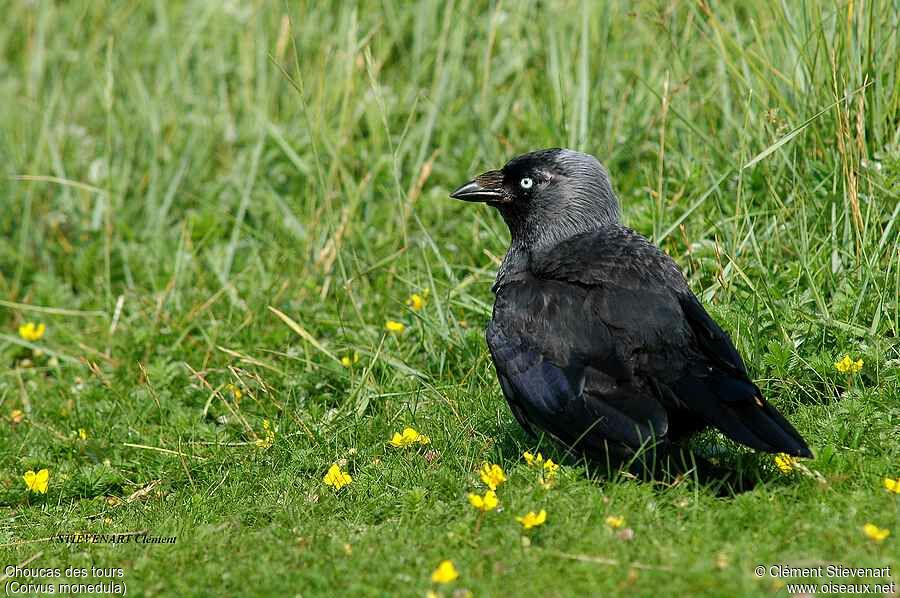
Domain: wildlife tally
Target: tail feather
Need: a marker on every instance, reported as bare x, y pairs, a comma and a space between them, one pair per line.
736, 408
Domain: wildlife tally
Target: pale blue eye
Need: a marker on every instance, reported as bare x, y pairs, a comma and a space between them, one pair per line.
526, 183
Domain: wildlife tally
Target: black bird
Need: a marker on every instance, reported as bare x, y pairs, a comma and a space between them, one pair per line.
596, 337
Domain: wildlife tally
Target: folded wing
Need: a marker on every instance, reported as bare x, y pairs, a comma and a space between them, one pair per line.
603, 346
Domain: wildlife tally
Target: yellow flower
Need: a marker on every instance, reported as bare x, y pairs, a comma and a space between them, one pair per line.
337, 478
394, 326
485, 503
348, 360
82, 433
532, 519
892, 485
31, 332
37, 482
236, 392
875, 533
445, 573
492, 475
416, 301
533, 459
16, 416
548, 470
269, 438
785, 463
615, 522
848, 366
408, 437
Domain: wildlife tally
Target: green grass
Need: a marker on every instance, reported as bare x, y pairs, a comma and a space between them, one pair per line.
170, 171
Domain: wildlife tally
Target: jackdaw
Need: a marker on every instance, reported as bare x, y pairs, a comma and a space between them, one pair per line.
596, 337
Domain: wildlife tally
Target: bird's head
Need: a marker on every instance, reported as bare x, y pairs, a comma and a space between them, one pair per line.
547, 196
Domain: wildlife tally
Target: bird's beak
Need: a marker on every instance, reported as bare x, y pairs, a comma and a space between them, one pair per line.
487, 187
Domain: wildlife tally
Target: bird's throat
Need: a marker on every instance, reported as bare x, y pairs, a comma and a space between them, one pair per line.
514, 265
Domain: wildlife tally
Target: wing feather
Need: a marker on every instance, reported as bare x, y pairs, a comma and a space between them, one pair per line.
603, 342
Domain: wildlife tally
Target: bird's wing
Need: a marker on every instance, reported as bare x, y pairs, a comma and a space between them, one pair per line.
712, 340
668, 340
561, 372
722, 392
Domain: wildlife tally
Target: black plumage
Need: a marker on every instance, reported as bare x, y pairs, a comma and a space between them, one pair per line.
596, 337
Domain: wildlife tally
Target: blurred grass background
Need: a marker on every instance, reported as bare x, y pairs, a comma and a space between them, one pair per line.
173, 170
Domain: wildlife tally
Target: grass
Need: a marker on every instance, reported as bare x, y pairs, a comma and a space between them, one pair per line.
202, 197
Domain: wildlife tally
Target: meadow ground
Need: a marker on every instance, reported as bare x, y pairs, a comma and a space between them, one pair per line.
210, 204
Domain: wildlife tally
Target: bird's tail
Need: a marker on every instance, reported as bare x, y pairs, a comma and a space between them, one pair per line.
737, 408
